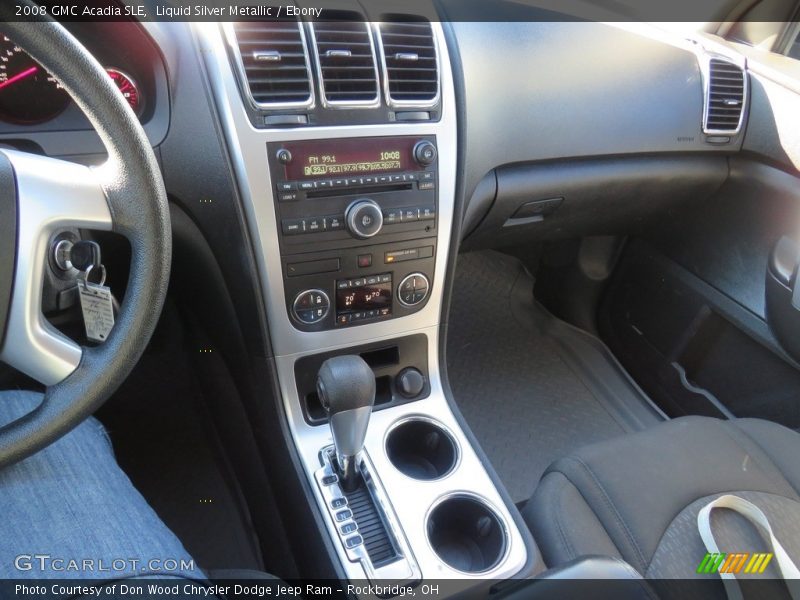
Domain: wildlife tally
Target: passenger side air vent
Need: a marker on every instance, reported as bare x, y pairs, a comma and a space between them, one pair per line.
409, 60
273, 61
346, 65
725, 97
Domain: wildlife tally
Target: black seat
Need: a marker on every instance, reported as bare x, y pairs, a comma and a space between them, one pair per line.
637, 497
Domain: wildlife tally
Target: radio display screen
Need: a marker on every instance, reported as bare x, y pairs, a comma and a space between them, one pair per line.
353, 156
364, 298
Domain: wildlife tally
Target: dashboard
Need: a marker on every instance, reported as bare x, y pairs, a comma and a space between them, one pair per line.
335, 168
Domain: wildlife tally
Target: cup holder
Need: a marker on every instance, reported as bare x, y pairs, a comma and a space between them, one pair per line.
421, 449
466, 534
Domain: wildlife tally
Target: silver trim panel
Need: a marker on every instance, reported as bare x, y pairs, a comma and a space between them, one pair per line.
52, 195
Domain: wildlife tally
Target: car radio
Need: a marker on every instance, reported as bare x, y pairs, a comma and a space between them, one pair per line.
356, 225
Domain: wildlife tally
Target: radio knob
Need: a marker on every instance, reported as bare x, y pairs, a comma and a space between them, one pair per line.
424, 153
284, 156
364, 218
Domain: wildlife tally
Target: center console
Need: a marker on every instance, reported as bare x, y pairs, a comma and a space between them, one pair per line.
357, 227
350, 211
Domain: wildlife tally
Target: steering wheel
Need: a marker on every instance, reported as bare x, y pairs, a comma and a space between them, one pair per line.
45, 196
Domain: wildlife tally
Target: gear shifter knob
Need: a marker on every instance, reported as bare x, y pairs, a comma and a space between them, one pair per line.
346, 388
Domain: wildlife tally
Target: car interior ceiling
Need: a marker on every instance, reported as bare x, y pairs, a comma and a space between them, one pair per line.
597, 263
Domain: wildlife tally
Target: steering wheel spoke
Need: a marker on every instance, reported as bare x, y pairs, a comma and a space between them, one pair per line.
52, 195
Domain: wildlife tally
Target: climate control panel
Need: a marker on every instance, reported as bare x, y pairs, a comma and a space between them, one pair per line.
357, 227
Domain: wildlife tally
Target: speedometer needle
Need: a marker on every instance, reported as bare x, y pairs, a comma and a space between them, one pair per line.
18, 76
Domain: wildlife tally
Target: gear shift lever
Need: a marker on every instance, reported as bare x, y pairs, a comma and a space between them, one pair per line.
346, 388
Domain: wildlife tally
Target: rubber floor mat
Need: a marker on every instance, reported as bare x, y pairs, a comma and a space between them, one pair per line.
531, 387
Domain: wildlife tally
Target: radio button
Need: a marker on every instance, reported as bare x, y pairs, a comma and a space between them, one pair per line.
335, 223
306, 185
426, 213
426, 185
286, 186
340, 183
369, 180
392, 216
384, 179
354, 181
325, 183
287, 196
293, 226
426, 176
410, 214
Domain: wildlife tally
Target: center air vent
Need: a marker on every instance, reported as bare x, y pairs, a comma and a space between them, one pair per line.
725, 97
273, 61
410, 65
345, 54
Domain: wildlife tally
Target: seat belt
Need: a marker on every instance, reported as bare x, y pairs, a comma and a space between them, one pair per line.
787, 568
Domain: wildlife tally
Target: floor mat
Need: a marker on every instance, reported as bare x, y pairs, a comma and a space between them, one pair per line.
165, 443
531, 387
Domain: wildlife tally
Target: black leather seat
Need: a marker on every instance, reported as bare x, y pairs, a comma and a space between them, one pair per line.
637, 497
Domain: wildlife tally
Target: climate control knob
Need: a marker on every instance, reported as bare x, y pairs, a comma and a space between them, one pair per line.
413, 289
364, 218
311, 306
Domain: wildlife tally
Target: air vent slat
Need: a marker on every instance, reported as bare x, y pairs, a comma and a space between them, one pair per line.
410, 61
274, 62
724, 96
346, 61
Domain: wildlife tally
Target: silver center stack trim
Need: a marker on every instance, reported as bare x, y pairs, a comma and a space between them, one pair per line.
411, 499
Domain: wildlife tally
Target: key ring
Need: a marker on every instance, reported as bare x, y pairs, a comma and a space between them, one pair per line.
89, 270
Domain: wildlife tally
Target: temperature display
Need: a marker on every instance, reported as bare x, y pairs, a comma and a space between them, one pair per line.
342, 158
364, 298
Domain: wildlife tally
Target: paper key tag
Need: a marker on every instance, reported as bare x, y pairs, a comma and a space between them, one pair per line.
98, 310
